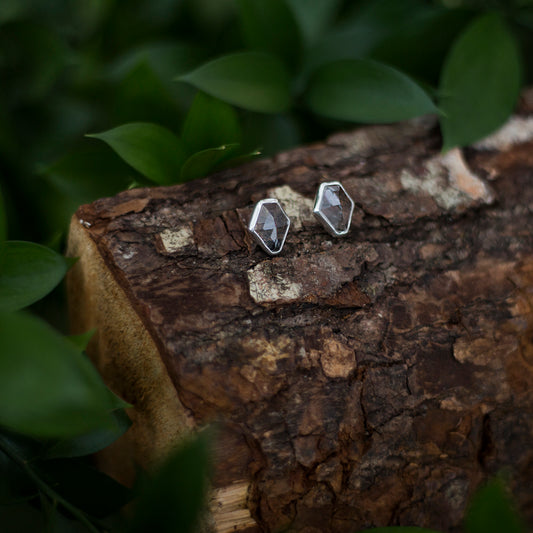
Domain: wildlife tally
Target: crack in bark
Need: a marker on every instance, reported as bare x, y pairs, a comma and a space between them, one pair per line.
486, 444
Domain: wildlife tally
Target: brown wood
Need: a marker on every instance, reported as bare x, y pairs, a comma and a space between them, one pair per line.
372, 380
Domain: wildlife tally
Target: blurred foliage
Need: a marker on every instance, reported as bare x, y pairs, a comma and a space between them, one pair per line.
100, 95
293, 69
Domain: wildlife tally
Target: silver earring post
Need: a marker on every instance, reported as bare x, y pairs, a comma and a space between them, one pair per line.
333, 208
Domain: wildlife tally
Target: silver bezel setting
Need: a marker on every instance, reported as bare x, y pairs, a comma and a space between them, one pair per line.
328, 226
253, 222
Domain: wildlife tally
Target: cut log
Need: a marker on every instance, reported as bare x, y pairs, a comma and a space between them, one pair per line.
371, 380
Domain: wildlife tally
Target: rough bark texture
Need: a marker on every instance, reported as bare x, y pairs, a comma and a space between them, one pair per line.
372, 380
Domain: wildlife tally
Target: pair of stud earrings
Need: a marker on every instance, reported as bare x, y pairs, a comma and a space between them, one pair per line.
269, 224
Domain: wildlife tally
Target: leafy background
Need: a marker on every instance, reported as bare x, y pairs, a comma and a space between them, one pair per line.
100, 95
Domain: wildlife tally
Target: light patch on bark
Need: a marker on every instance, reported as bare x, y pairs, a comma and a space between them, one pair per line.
464, 179
483, 352
269, 353
298, 208
434, 184
268, 287
337, 359
449, 181
136, 205
362, 141
477, 351
176, 240
366, 141
515, 131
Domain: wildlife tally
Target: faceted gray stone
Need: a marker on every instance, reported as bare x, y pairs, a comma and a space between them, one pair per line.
333, 208
269, 225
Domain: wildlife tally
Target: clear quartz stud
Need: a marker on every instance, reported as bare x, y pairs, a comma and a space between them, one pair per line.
333, 208
269, 225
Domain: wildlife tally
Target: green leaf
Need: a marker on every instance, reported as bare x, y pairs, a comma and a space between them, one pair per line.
174, 498
92, 442
28, 272
366, 91
82, 340
47, 388
202, 163
480, 82
313, 17
251, 80
238, 160
210, 123
88, 174
491, 511
271, 27
150, 149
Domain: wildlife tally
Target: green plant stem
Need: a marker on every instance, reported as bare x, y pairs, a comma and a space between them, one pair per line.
11, 452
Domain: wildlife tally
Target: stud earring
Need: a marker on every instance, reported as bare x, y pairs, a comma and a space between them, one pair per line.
269, 225
333, 208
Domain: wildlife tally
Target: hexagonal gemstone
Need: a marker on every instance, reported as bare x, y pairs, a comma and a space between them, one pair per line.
334, 208
269, 225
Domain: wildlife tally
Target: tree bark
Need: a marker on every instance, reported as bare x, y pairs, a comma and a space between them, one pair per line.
370, 380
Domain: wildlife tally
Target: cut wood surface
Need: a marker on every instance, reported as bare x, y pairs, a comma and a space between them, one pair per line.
376, 379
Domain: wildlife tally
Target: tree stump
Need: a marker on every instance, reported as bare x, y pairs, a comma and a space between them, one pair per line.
370, 380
